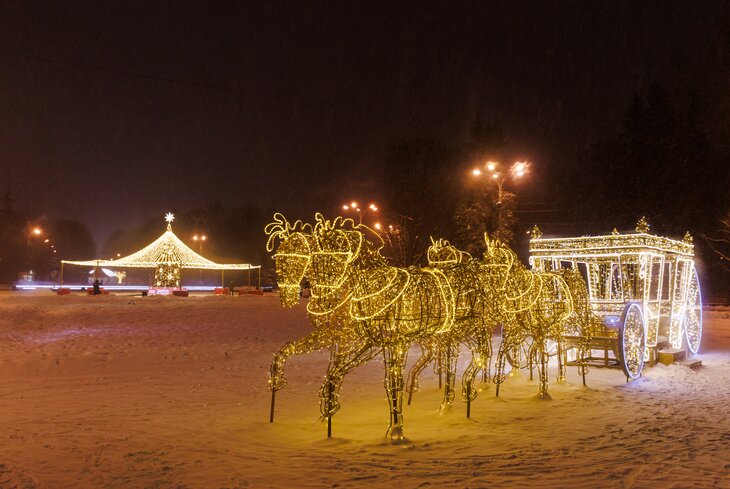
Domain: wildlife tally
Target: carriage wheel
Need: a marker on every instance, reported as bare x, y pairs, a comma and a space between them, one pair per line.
632, 340
693, 314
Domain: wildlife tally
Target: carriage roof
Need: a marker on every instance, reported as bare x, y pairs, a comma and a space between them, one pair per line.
588, 248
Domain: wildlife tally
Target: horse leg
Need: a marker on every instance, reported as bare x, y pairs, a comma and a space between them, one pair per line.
543, 371
394, 358
468, 393
438, 364
584, 352
341, 363
499, 376
417, 368
311, 342
452, 356
561, 361
487, 351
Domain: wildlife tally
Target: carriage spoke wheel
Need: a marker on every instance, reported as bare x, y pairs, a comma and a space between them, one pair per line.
693, 314
632, 340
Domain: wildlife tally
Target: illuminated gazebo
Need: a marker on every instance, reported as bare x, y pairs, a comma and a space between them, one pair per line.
168, 255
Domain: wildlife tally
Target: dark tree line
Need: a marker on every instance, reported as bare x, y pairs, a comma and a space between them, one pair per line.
660, 164
429, 191
23, 250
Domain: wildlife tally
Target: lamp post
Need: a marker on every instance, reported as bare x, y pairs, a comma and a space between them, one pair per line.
493, 171
200, 239
31, 232
361, 213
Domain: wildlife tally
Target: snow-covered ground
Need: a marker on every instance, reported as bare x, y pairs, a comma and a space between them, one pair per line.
119, 391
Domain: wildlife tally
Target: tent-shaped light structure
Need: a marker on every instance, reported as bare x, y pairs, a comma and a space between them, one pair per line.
168, 255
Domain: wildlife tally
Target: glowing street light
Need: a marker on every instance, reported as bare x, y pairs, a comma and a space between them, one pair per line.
361, 213
200, 239
517, 171
31, 232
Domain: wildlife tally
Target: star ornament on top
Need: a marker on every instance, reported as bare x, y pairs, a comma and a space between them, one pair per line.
169, 217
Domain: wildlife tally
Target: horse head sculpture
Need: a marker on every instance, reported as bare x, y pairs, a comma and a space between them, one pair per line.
441, 253
293, 255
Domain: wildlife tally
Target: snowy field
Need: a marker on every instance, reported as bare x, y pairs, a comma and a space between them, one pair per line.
121, 391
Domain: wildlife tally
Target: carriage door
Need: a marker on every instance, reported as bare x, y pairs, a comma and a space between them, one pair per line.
680, 285
653, 277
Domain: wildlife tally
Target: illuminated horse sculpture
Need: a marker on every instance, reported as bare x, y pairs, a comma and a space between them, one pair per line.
536, 305
583, 324
391, 307
477, 314
328, 315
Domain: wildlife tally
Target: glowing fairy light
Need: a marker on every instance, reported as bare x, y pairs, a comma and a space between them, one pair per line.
168, 255
654, 273
361, 305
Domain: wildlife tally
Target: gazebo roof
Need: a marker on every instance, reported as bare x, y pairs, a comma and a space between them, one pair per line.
168, 249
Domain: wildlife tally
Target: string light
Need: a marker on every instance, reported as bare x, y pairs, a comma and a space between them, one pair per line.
168, 255
653, 272
361, 306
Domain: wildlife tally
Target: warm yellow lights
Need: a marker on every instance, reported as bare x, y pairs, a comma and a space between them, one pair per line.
361, 212
519, 169
37, 231
656, 274
168, 255
579, 291
361, 305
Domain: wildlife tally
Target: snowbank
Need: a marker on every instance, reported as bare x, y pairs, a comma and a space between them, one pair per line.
121, 391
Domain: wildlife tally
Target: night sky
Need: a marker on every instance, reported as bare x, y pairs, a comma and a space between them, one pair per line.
113, 112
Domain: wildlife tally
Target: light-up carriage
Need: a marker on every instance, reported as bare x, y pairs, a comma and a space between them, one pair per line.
643, 288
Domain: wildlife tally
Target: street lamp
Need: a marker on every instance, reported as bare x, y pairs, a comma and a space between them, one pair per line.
353, 206
492, 169
31, 232
517, 171
200, 239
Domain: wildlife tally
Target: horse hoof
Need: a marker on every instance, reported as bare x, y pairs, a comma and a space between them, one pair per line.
395, 434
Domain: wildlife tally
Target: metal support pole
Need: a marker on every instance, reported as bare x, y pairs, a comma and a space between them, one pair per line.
273, 400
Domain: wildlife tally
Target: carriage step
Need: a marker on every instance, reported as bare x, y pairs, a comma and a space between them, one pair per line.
692, 363
668, 356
